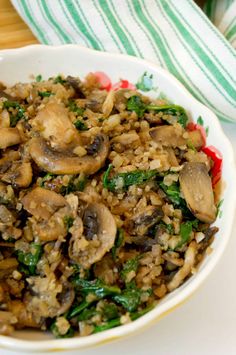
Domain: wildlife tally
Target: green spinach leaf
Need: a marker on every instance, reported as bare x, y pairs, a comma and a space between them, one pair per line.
122, 181
97, 287
14, 118
31, 258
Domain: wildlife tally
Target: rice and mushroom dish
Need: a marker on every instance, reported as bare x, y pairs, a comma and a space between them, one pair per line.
107, 200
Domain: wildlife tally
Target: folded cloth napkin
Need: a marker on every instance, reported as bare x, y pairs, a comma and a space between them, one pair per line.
177, 35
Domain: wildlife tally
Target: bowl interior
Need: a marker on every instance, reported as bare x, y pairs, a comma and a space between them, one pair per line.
19, 66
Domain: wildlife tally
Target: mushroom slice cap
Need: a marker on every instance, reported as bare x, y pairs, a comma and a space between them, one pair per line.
195, 138
20, 174
196, 186
66, 162
7, 266
42, 203
172, 136
91, 241
139, 223
24, 316
9, 137
54, 125
168, 136
53, 228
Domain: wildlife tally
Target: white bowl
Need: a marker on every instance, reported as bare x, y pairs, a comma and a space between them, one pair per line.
19, 65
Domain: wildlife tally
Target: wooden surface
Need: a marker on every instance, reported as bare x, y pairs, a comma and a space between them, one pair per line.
14, 32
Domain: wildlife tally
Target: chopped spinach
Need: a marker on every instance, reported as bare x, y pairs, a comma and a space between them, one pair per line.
173, 192
110, 311
186, 230
31, 258
78, 309
87, 313
68, 221
116, 322
200, 121
80, 125
43, 94
75, 108
111, 324
135, 104
38, 78
168, 226
97, 287
130, 265
77, 184
129, 299
122, 181
118, 242
59, 80
20, 111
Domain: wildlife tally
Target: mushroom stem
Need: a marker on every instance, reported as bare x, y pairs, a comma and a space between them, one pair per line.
9, 137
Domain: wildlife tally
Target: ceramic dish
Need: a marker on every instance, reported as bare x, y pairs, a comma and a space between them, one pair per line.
19, 65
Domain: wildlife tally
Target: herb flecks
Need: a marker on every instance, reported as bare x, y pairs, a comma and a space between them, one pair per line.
30, 259
14, 117
73, 107
43, 94
80, 125
122, 181
135, 104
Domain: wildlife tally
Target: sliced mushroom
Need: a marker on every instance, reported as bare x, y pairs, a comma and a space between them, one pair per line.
4, 95
66, 162
65, 299
7, 159
6, 217
108, 104
95, 100
7, 319
196, 186
9, 137
185, 270
53, 228
76, 84
168, 136
195, 138
172, 136
4, 119
94, 237
7, 266
50, 297
19, 175
23, 315
42, 203
139, 223
54, 125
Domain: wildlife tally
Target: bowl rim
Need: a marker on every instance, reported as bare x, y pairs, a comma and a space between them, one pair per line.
158, 311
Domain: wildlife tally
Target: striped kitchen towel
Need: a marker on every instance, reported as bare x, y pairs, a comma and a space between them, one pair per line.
177, 35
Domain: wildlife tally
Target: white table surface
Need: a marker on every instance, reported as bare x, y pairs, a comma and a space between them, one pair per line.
205, 325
